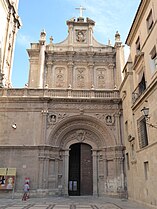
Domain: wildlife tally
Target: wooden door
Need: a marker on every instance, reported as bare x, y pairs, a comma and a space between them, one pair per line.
86, 170
80, 170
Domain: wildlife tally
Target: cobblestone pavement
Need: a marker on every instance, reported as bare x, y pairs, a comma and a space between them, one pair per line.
69, 203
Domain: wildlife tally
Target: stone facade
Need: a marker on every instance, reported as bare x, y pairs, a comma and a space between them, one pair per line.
71, 98
138, 90
10, 23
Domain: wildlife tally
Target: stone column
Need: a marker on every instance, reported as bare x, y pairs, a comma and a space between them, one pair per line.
71, 41
66, 171
119, 160
41, 169
48, 82
95, 173
70, 74
101, 173
90, 36
118, 128
105, 175
44, 113
46, 169
111, 80
119, 59
91, 75
42, 43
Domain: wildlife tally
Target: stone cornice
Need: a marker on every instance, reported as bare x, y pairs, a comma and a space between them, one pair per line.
77, 53
151, 88
58, 100
30, 147
137, 21
125, 79
12, 7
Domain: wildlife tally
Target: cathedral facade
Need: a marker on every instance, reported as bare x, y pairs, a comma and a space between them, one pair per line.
63, 131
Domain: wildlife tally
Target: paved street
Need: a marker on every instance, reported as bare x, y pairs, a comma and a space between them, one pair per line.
69, 203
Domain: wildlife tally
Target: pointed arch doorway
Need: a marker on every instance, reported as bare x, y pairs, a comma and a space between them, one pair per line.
80, 170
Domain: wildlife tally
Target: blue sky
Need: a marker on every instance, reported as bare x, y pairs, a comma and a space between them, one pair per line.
51, 15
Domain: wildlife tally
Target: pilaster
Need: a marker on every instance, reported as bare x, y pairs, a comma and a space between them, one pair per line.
44, 113
66, 171
118, 128
70, 66
91, 75
111, 76
48, 82
95, 174
42, 59
119, 59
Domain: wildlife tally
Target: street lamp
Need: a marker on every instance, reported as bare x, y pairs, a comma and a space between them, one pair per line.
145, 111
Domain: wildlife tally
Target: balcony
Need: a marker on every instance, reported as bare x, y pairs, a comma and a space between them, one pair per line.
60, 93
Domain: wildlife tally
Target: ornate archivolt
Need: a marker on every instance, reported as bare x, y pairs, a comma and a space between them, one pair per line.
81, 128
80, 136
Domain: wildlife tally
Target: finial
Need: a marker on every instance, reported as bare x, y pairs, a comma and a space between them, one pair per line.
117, 37
42, 37
51, 39
109, 42
81, 10
43, 32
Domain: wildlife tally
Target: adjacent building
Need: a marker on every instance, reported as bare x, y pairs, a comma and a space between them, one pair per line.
9, 25
138, 92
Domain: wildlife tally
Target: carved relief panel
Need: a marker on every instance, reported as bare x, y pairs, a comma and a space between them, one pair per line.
80, 80
54, 118
60, 77
81, 36
100, 78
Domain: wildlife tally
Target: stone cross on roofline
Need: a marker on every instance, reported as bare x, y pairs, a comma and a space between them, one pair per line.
81, 10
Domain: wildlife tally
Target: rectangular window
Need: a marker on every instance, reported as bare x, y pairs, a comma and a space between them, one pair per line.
142, 132
150, 21
138, 46
153, 59
146, 170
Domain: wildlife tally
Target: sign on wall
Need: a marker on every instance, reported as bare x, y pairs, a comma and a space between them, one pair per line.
7, 178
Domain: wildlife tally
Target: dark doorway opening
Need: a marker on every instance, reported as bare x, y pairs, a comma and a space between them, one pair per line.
80, 170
